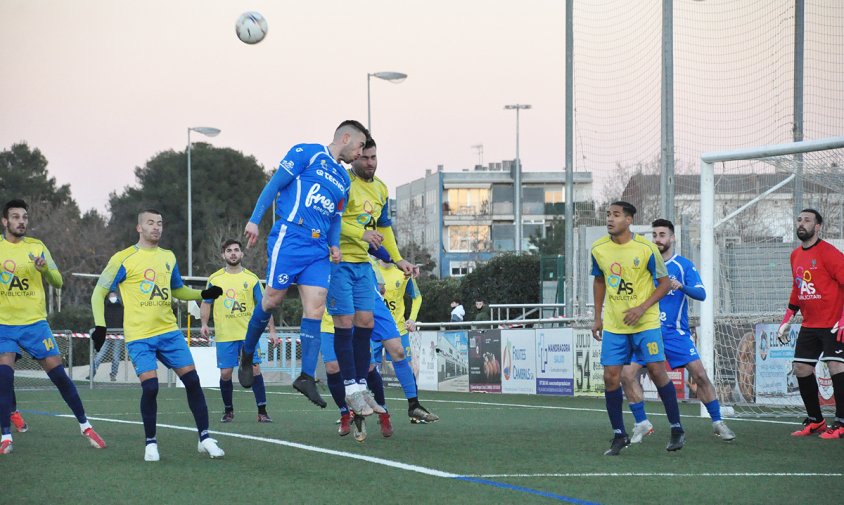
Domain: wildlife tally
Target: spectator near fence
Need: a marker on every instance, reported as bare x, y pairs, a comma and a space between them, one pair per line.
112, 346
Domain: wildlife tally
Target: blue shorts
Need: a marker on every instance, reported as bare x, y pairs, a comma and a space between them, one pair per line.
326, 347
296, 257
384, 329
229, 352
680, 350
36, 339
351, 289
645, 346
378, 349
170, 348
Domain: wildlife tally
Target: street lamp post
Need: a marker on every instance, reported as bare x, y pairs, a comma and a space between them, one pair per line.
518, 178
394, 77
208, 132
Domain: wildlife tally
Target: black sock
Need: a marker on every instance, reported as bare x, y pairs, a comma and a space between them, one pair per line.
838, 388
809, 392
262, 409
412, 403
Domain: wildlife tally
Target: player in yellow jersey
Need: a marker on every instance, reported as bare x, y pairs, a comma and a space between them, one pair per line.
366, 222
148, 278
241, 294
630, 279
26, 264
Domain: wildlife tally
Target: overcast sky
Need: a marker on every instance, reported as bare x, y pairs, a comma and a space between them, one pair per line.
101, 86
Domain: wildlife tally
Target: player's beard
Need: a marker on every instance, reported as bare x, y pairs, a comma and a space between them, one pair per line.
16, 233
233, 263
804, 234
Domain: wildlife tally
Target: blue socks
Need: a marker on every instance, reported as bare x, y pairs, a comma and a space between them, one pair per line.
260, 390
149, 408
256, 327
376, 385
7, 391
196, 402
363, 355
345, 354
309, 336
338, 391
226, 390
68, 391
615, 399
404, 373
638, 410
714, 409
668, 395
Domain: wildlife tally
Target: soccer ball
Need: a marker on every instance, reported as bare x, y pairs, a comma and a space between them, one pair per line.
251, 27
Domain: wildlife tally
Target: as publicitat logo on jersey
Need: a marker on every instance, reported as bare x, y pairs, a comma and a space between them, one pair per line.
157, 295
17, 286
804, 284
623, 289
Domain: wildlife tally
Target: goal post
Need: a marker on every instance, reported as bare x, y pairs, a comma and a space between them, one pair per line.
734, 253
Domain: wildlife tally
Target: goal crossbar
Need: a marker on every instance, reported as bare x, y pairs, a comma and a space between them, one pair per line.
708, 225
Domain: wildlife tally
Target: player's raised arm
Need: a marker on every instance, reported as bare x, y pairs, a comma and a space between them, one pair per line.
48, 269
290, 167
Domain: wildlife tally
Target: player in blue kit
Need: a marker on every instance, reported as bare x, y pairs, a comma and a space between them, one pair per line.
311, 189
680, 350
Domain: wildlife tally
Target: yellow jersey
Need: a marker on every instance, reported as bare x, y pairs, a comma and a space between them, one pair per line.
629, 271
22, 295
368, 208
232, 311
396, 285
146, 279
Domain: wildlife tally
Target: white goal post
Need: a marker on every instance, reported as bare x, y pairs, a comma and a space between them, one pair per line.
781, 164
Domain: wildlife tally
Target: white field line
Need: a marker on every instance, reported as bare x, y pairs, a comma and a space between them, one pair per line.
295, 445
653, 474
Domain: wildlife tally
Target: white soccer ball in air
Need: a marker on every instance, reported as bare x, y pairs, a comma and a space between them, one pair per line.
251, 27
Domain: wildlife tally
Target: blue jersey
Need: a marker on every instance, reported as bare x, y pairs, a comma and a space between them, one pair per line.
312, 189
674, 307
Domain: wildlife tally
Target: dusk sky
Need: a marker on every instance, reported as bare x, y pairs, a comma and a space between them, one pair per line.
101, 86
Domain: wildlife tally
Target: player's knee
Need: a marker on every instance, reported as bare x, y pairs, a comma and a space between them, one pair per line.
835, 367
364, 320
226, 374
332, 367
190, 379
803, 369
256, 370
150, 387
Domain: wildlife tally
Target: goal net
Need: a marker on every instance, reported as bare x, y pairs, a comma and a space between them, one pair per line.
749, 200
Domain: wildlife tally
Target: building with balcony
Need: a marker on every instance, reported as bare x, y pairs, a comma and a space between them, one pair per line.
464, 218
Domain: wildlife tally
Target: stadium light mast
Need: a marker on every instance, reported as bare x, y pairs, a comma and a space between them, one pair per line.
518, 177
208, 132
394, 77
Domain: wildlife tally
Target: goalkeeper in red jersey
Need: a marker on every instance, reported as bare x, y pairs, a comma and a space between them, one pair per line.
817, 268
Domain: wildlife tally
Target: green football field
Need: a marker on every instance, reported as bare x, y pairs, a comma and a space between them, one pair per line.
486, 449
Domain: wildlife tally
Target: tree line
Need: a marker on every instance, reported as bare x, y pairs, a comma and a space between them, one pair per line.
225, 186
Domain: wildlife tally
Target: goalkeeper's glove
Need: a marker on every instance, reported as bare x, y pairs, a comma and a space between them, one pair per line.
211, 293
98, 337
789, 314
839, 329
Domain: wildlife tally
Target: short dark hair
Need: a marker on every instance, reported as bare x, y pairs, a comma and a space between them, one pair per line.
148, 211
818, 217
663, 223
229, 242
370, 143
626, 207
457, 300
14, 204
357, 126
